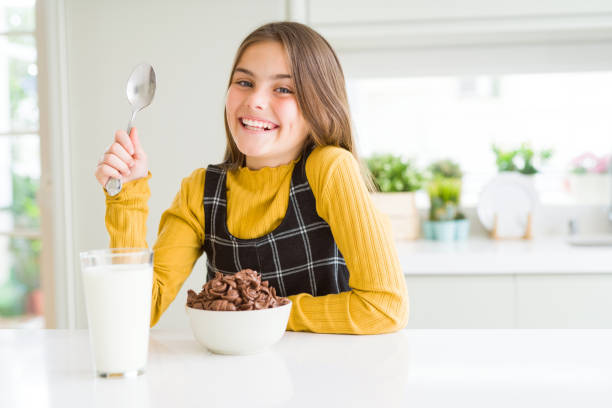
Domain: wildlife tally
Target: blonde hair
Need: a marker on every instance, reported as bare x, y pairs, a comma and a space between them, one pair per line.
320, 90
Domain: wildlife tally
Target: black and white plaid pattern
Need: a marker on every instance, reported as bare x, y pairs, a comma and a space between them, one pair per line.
299, 256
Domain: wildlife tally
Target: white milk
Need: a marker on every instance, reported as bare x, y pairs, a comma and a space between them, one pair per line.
118, 299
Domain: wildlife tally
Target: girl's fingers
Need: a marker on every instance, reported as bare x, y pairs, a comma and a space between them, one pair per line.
120, 152
136, 142
124, 154
123, 139
104, 172
116, 163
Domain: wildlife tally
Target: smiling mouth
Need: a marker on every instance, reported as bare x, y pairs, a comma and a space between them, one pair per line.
257, 126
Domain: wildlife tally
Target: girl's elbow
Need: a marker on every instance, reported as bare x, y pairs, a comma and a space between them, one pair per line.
391, 317
397, 319
402, 316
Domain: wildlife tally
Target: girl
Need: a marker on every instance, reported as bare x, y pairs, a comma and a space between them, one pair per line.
290, 199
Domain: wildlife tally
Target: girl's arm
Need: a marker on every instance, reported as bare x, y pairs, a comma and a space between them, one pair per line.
378, 301
180, 234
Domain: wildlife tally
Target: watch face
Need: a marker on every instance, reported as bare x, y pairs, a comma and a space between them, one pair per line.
113, 186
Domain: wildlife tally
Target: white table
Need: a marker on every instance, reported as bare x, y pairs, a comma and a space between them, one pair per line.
411, 368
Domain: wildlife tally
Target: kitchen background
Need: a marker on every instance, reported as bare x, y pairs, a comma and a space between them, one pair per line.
488, 108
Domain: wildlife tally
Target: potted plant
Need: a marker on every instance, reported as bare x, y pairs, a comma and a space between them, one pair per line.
444, 215
444, 169
517, 167
397, 179
462, 227
588, 180
522, 160
446, 222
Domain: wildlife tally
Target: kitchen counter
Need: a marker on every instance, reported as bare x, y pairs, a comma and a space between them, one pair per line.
418, 368
543, 255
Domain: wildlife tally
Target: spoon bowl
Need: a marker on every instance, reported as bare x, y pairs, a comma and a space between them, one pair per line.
141, 87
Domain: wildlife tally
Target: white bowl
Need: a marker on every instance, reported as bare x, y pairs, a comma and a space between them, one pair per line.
241, 331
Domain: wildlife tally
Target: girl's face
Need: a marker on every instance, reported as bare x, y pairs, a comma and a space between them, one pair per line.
262, 110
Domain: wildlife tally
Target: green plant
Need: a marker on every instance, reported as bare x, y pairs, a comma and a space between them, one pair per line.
444, 190
25, 207
521, 159
444, 195
394, 174
25, 252
444, 168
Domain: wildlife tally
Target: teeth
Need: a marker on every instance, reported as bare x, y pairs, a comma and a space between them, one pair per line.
257, 124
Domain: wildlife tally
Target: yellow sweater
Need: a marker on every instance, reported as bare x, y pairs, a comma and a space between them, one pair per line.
256, 204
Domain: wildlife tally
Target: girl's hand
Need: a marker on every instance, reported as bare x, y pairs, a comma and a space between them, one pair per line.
124, 159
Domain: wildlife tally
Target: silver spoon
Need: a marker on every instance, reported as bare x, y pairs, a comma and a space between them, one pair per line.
140, 93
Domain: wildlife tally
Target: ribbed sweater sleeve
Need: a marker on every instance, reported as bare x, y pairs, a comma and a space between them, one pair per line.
378, 301
126, 214
179, 239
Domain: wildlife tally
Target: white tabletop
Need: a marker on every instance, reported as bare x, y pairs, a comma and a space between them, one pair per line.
410, 368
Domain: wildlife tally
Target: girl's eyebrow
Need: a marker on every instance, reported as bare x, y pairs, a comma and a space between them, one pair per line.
277, 76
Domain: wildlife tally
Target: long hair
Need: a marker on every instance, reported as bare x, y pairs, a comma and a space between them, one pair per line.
320, 90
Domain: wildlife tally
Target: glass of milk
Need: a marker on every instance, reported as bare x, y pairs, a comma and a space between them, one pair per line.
118, 283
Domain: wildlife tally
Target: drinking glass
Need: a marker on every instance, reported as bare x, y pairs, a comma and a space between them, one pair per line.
118, 284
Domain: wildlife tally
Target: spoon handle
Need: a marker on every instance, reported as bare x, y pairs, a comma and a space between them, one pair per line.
129, 126
113, 185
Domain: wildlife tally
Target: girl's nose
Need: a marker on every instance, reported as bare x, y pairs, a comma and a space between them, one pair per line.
258, 99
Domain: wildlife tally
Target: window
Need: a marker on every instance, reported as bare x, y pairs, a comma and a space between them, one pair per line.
20, 235
460, 117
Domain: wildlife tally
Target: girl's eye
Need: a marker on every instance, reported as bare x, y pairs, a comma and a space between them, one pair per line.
249, 84
244, 83
284, 90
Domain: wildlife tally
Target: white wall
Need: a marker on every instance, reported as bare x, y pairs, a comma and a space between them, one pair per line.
191, 45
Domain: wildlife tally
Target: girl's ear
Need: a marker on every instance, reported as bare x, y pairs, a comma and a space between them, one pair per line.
308, 130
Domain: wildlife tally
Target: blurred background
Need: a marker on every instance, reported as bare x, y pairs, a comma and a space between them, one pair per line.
490, 118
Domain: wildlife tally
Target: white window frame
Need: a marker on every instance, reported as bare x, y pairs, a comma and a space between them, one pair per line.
57, 258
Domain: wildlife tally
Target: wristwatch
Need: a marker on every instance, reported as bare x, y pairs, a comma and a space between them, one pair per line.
113, 186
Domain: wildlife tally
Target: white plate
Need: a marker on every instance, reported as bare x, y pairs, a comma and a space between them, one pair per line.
512, 197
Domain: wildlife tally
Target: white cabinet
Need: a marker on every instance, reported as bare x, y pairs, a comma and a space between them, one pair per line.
483, 283
466, 302
509, 301
424, 11
354, 26
564, 301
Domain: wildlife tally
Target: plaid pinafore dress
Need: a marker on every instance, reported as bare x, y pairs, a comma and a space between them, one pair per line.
299, 256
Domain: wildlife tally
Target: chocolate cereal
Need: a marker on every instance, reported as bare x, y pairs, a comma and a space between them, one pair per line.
243, 290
